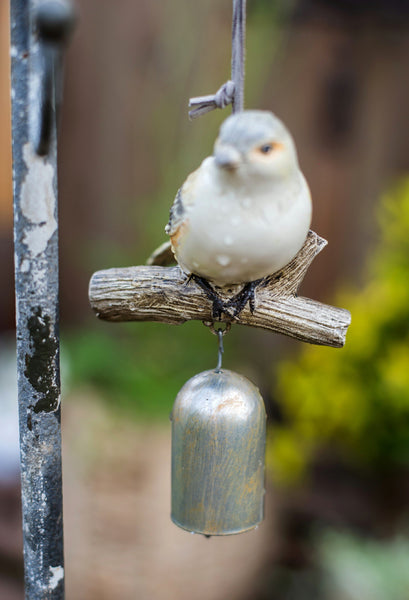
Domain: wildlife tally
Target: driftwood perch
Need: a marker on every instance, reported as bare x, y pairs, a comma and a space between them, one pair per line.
164, 294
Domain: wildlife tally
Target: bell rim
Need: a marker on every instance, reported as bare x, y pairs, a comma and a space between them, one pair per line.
219, 533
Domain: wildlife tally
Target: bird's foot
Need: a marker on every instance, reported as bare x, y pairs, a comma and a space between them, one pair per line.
219, 306
246, 294
188, 278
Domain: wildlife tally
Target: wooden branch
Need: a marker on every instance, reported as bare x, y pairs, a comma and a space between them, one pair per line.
164, 294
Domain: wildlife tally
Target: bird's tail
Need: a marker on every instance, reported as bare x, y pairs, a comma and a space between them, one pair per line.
162, 256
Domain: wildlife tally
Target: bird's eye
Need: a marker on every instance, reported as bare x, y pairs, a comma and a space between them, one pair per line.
266, 148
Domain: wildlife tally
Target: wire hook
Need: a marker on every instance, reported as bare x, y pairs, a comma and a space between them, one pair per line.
221, 350
220, 332
53, 21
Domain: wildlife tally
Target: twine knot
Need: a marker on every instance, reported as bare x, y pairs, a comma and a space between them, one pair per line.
204, 104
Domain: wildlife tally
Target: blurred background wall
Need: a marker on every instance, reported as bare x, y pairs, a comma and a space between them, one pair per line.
335, 73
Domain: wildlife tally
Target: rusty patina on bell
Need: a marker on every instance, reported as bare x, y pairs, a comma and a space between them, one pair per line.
218, 447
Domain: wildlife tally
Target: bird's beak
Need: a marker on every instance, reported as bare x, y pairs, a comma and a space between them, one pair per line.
227, 157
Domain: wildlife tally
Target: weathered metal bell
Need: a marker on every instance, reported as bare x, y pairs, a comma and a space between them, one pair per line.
218, 447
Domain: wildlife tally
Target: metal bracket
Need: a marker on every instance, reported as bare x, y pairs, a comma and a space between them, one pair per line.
52, 23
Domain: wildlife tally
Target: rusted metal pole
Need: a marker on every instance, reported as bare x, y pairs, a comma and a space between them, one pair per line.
34, 57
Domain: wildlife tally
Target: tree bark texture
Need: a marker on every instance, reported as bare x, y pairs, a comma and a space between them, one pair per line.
165, 294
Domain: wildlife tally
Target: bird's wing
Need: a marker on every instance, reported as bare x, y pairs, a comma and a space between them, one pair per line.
162, 256
184, 198
177, 214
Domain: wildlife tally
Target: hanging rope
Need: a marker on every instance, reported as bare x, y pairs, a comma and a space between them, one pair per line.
231, 92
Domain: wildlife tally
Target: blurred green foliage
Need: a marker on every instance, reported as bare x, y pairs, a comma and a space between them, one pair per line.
357, 568
356, 399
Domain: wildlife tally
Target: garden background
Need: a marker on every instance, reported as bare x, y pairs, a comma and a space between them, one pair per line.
338, 454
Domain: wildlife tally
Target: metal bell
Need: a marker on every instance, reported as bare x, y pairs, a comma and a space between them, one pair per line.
218, 447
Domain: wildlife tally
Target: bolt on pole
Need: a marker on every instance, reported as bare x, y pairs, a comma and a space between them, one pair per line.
37, 31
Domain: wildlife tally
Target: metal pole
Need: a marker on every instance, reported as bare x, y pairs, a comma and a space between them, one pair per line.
36, 279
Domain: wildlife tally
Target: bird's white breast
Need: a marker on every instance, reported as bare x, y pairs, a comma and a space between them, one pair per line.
239, 232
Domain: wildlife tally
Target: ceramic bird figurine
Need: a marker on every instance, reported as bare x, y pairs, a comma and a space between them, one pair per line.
245, 212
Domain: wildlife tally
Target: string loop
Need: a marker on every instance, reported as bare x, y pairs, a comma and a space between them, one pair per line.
210, 325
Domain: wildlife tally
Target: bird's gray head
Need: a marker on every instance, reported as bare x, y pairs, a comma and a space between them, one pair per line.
255, 142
